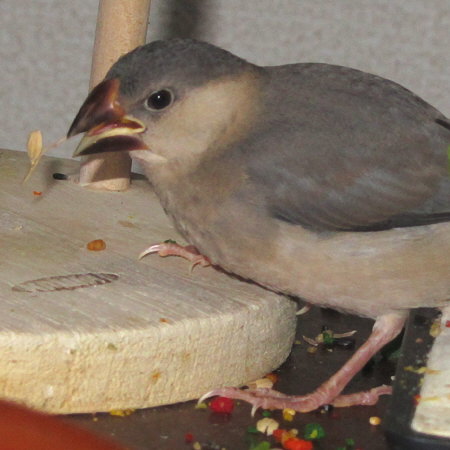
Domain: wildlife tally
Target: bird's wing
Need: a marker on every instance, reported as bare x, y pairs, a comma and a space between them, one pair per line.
353, 152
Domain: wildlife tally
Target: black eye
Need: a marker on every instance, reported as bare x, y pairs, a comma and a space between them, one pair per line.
159, 100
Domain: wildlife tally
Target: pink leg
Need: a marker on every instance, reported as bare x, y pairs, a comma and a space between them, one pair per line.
386, 328
188, 252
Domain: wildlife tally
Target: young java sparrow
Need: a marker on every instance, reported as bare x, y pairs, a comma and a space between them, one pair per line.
312, 180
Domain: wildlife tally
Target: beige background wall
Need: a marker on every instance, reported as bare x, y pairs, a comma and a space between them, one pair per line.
45, 47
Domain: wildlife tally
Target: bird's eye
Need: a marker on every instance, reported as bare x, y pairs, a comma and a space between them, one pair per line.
159, 100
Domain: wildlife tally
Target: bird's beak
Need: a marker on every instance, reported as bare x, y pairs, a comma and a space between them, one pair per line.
106, 126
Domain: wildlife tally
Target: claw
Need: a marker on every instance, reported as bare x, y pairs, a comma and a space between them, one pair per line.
303, 310
152, 249
188, 252
206, 396
254, 409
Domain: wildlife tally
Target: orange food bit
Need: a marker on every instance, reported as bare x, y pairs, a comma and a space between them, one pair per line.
283, 435
37, 193
96, 245
273, 377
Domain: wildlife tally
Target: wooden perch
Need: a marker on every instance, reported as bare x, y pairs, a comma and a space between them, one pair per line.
121, 26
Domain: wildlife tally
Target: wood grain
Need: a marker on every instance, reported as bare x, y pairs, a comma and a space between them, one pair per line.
157, 334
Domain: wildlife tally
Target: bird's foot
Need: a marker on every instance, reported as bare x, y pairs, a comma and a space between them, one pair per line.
188, 252
271, 399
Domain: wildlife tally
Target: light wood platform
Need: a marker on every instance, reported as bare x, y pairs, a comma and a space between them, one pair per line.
152, 334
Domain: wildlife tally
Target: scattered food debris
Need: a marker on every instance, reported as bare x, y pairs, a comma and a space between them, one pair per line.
96, 245
329, 339
314, 431
435, 329
263, 383
267, 425
272, 376
288, 414
349, 445
37, 193
222, 405
121, 412
201, 405
420, 370
374, 420
189, 438
60, 176
36, 149
263, 445
290, 441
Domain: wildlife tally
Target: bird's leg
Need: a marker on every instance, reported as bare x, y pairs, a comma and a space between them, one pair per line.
188, 252
385, 329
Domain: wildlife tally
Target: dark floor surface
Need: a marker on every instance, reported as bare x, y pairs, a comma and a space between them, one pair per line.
164, 428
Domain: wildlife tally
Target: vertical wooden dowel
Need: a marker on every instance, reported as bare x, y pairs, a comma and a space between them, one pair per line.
121, 26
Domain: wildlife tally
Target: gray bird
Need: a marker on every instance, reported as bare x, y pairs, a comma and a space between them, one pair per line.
312, 180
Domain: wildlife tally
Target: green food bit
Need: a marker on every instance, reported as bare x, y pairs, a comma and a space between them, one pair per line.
252, 430
266, 413
327, 337
349, 441
314, 431
202, 405
170, 241
264, 445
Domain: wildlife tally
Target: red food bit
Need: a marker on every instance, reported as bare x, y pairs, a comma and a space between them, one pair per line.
416, 399
222, 405
188, 438
277, 434
297, 444
37, 193
447, 324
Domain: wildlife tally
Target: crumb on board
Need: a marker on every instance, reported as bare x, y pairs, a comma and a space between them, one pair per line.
121, 412
96, 245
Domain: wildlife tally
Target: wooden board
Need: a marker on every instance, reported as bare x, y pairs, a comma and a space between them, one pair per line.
152, 334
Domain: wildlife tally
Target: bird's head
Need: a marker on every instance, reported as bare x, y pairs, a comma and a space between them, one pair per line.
170, 100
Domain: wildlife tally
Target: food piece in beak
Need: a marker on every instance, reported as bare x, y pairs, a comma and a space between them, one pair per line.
118, 136
107, 127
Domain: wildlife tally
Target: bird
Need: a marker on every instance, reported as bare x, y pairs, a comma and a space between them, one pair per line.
312, 180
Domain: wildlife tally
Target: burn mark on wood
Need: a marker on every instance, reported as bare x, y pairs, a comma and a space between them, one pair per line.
65, 282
